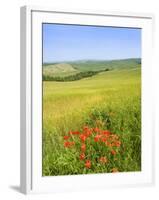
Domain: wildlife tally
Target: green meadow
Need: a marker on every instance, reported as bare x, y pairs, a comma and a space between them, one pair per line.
109, 100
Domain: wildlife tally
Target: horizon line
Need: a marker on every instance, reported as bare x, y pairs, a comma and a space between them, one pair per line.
62, 61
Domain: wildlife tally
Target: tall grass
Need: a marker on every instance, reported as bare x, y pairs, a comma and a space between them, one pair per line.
110, 101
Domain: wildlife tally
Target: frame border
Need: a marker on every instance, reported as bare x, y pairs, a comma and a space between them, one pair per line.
26, 83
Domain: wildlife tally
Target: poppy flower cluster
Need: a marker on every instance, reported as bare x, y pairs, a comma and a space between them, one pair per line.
93, 136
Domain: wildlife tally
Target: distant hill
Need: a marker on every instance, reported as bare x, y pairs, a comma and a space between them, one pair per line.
60, 69
93, 65
84, 67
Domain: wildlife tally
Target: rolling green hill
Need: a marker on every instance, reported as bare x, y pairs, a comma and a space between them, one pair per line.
59, 69
81, 69
94, 65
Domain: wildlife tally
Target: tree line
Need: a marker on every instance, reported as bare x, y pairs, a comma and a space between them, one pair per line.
73, 77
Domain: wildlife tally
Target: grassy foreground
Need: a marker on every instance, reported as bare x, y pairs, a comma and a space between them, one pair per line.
107, 105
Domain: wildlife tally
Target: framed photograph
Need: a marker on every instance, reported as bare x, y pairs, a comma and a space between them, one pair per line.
86, 100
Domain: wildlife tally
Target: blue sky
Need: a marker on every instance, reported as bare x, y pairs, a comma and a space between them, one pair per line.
74, 42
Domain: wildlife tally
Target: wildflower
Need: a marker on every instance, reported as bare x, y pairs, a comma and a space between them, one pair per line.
113, 152
108, 144
83, 147
104, 139
82, 156
115, 170
96, 129
114, 136
68, 144
88, 164
83, 137
85, 128
97, 138
66, 137
74, 132
103, 160
113, 144
106, 132
88, 133
117, 143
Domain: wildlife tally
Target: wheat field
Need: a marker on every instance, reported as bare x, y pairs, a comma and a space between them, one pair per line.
109, 101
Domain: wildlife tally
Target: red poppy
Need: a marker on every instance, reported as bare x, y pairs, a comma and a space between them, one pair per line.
117, 143
74, 132
108, 144
68, 144
88, 133
113, 152
88, 164
82, 156
66, 137
97, 138
83, 147
83, 137
85, 128
103, 160
104, 139
96, 129
114, 136
106, 132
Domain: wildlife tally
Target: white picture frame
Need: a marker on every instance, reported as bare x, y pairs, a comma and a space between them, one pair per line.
31, 110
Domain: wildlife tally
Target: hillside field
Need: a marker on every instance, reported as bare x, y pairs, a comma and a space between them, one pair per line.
92, 125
